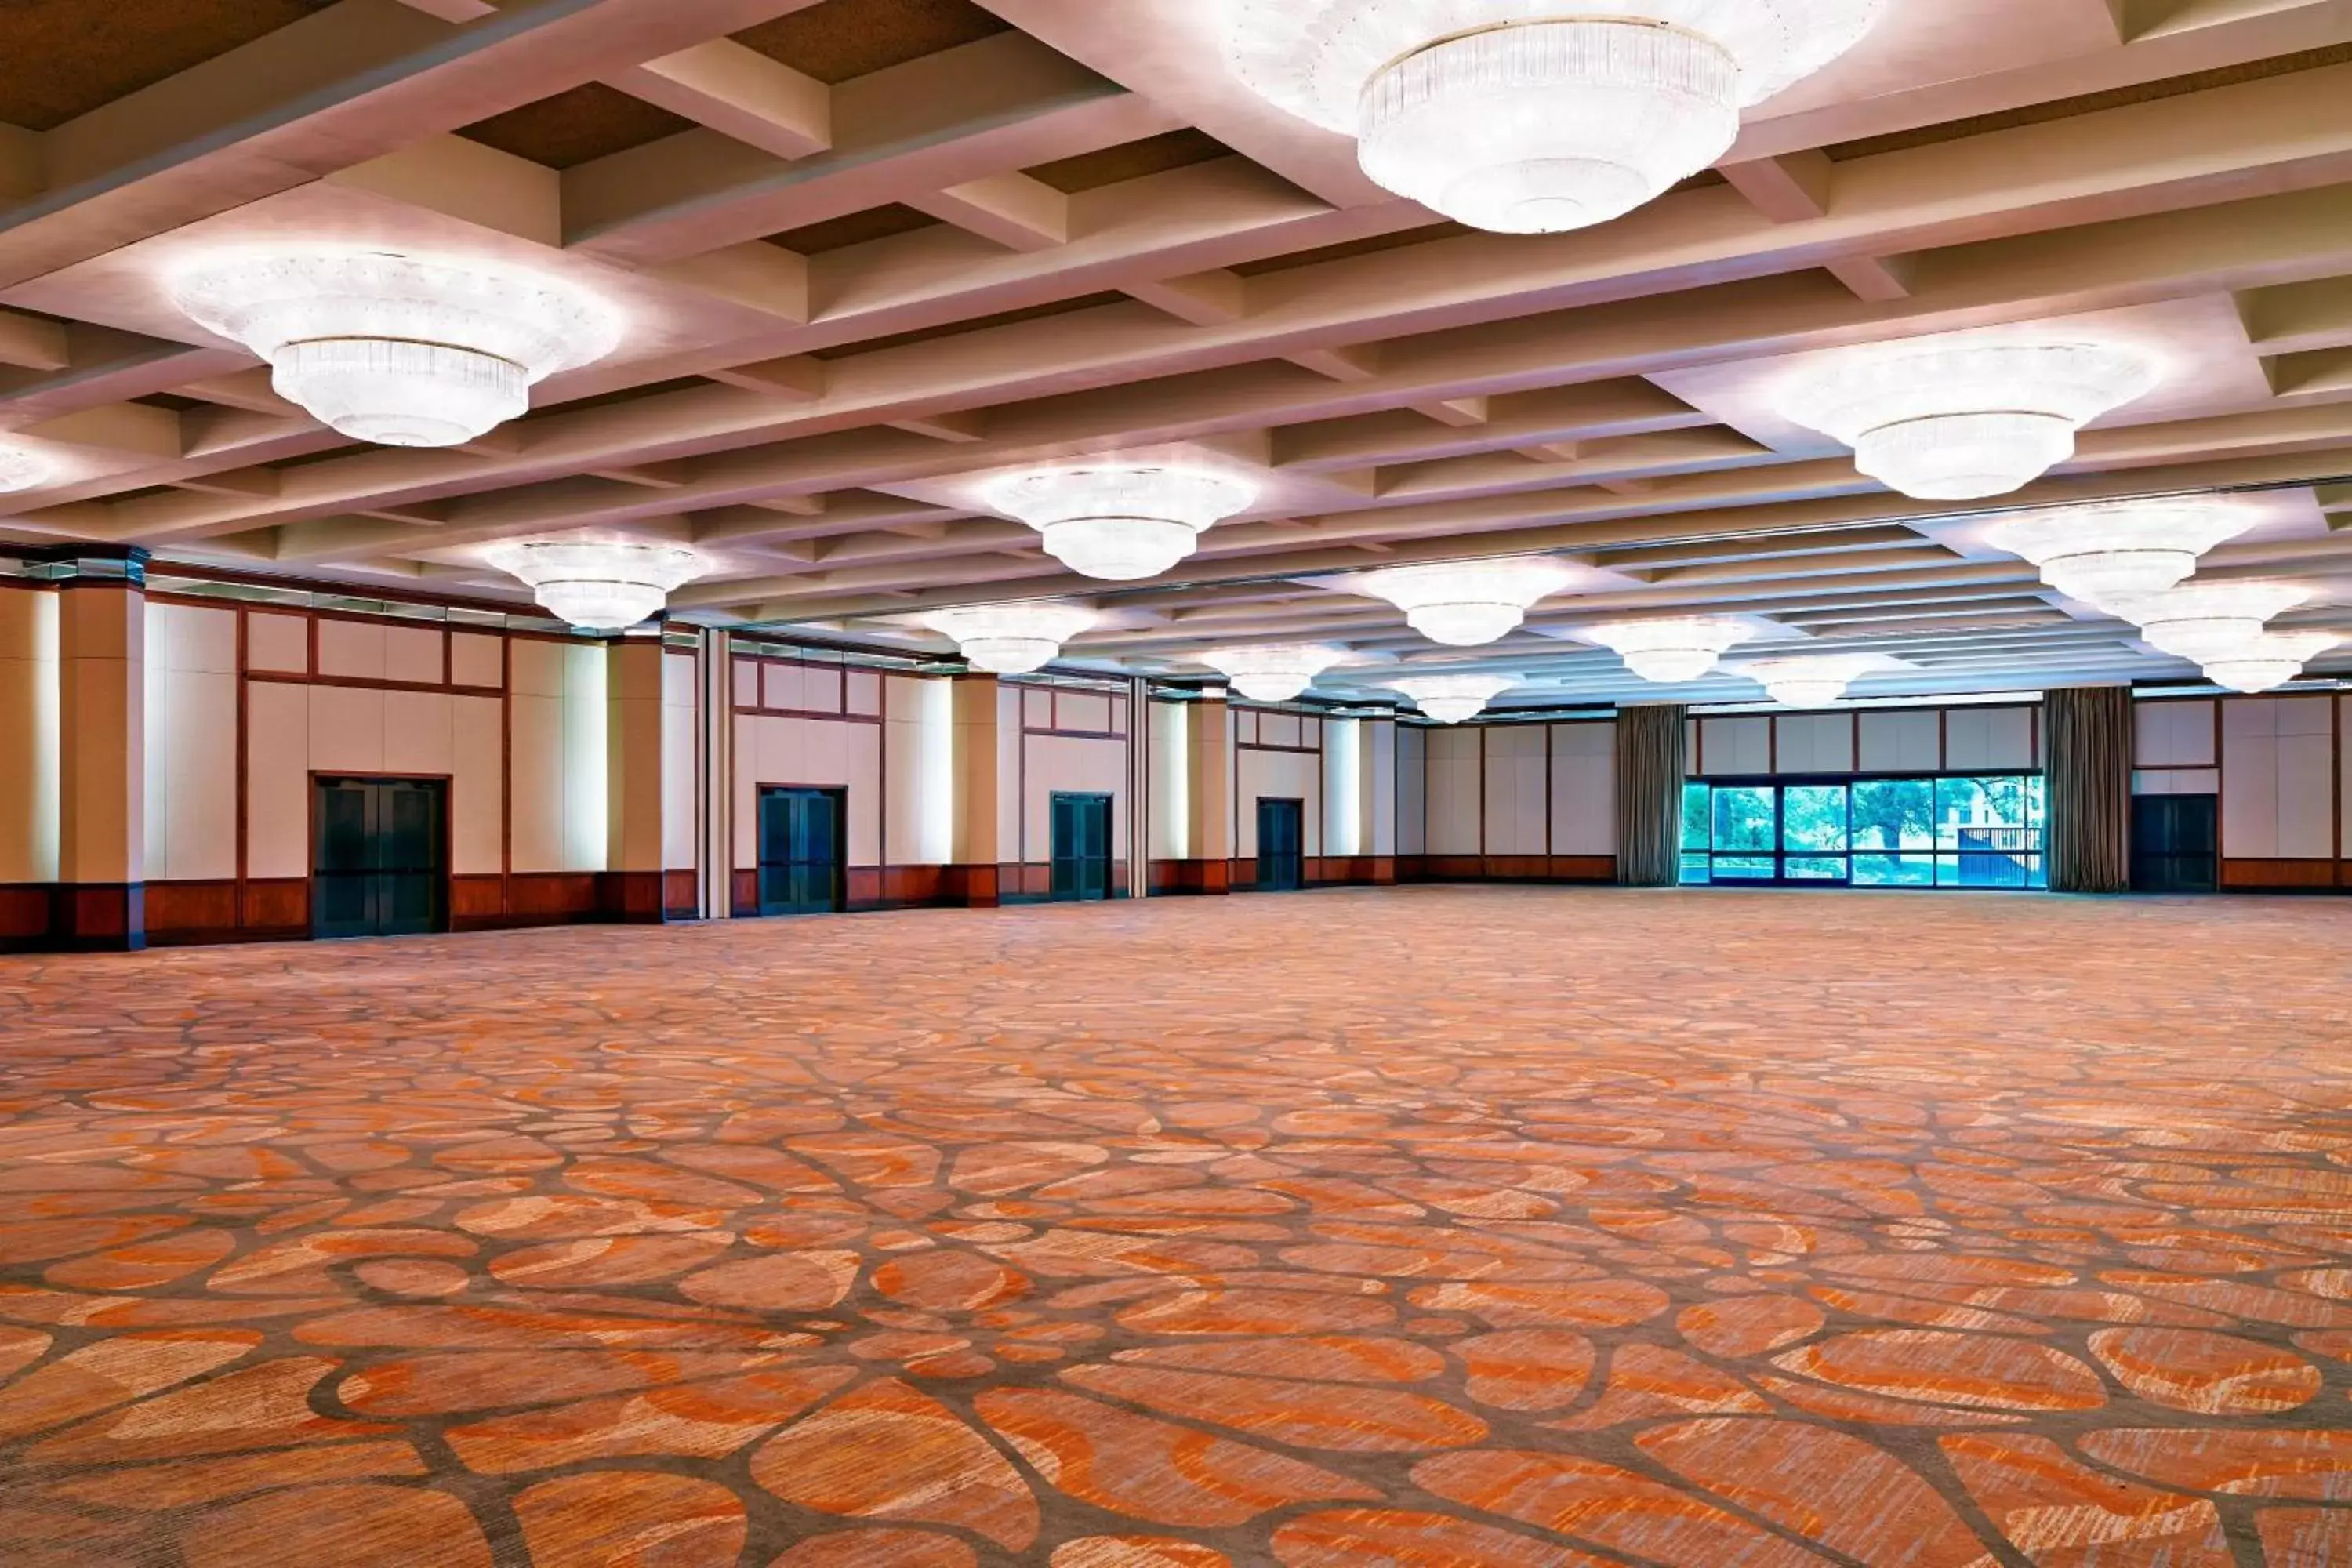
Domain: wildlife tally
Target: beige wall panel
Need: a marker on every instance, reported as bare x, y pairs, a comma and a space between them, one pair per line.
1280, 775
2173, 735
1902, 743
538, 788
1411, 790
2177, 781
279, 643
1342, 742
1456, 807
1584, 789
346, 729
1815, 743
476, 760
191, 775
1171, 781
29, 736
746, 683
278, 779
476, 660
1245, 726
817, 753
1376, 827
680, 753
920, 754
418, 735
821, 689
414, 654
1062, 763
2306, 778
1516, 800
352, 649
783, 686
537, 666
1118, 707
192, 637
2344, 819
1989, 740
1082, 710
1280, 729
1735, 748
587, 724
862, 692
1011, 705
1037, 707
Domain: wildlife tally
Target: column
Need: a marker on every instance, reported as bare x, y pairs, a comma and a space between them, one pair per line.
28, 761
975, 877
632, 887
101, 902
1210, 751
1377, 803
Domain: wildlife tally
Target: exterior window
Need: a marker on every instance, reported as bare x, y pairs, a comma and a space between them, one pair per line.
1955, 832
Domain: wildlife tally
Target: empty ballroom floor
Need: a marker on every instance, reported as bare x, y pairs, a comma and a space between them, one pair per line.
1429, 1226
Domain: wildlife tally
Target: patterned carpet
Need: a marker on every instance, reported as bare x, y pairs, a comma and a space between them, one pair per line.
1449, 1229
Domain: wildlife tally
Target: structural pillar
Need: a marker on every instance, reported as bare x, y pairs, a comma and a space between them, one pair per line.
1376, 804
631, 889
975, 877
101, 903
1209, 754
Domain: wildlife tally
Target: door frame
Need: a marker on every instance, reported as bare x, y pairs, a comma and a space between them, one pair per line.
1299, 802
841, 794
448, 783
1107, 802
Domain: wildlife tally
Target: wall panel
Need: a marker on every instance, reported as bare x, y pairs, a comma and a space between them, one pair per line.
1455, 797
1412, 790
1279, 775
191, 753
1734, 748
1584, 789
1518, 789
1902, 741
1814, 743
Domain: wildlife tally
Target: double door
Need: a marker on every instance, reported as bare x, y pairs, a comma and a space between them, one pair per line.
1081, 848
2176, 843
378, 863
801, 851
1281, 845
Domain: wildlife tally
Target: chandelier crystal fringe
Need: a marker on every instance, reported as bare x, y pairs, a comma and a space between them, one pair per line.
1274, 673
2105, 554
2268, 662
1815, 680
2200, 621
1467, 604
1121, 522
1521, 117
21, 469
394, 350
1671, 652
606, 586
1011, 639
1452, 699
1965, 421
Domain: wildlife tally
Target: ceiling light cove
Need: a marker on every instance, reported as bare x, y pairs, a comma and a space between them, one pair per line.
1274, 673
393, 348
1467, 603
1963, 422
1526, 118
606, 586
2201, 621
2270, 661
1671, 652
1454, 698
1011, 639
2105, 554
1121, 522
21, 469
1815, 680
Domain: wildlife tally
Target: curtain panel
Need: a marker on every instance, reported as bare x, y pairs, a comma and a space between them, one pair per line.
2090, 789
1653, 748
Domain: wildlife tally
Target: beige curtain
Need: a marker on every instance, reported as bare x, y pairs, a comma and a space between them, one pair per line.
2090, 790
1650, 763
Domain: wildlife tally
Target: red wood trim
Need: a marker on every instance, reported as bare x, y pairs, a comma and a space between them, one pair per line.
810, 713
1261, 746
1943, 739
362, 683
506, 778
244, 769
1097, 735
1772, 742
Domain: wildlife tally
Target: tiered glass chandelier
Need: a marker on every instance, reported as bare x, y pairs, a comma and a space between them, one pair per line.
1011, 639
2105, 555
1813, 681
1969, 420
1671, 652
606, 586
2201, 621
1470, 603
22, 469
1454, 698
1535, 116
395, 350
2270, 661
1275, 673
1121, 521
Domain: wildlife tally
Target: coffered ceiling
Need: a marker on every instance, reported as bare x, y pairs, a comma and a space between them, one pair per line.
873, 252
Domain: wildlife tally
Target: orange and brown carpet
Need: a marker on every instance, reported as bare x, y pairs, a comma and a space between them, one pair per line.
1492, 1228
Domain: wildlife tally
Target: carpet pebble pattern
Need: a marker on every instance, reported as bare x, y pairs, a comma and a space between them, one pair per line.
1437, 1227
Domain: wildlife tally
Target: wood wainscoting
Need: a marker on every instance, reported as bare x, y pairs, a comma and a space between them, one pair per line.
1577, 869
2286, 876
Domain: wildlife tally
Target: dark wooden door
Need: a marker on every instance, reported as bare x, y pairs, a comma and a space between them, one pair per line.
1281, 845
380, 863
1081, 848
800, 850
2176, 843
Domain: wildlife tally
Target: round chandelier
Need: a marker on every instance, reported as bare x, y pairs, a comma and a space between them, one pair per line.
1121, 521
1813, 681
2270, 661
2102, 554
603, 586
1967, 421
1671, 652
21, 469
1275, 673
1011, 639
1522, 117
1468, 604
2199, 621
1452, 699
393, 350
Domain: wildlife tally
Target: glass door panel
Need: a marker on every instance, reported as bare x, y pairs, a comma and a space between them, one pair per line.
1815, 833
